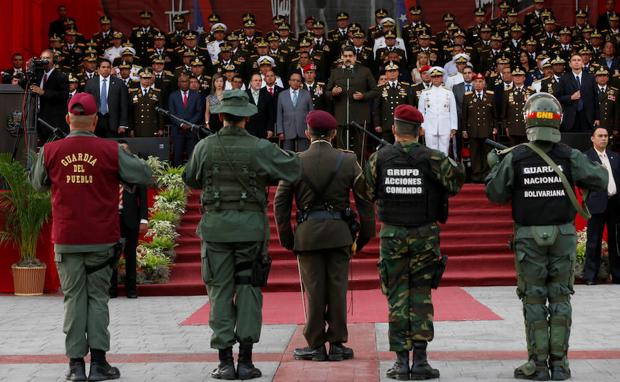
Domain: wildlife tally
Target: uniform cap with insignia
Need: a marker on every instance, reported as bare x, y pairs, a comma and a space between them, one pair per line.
459, 33
190, 35
601, 72
318, 24
565, 31
235, 102
128, 52
146, 14
197, 62
502, 60
558, 61
391, 66
389, 35
408, 114
248, 16
485, 28
532, 42
388, 21
124, 66
581, 13
213, 18
504, 5
512, 13
158, 60
249, 24
497, 37
478, 76
596, 34
415, 10
189, 53
278, 19
72, 79
539, 1
518, 72
218, 27
545, 13
453, 27
55, 38
178, 19
90, 58
359, 34
71, 32
273, 37
546, 63
117, 35
229, 68
550, 20
232, 37
342, 16
461, 58
614, 17
381, 12
448, 17
516, 28
284, 27
424, 36
225, 48
105, 20
437, 71
86, 101
479, 12
146, 73
425, 69
309, 67
305, 43
261, 43
266, 60
585, 50
321, 121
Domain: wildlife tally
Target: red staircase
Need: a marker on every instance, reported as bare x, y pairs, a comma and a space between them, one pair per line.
475, 239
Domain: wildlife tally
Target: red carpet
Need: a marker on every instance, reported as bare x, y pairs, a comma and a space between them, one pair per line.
451, 304
475, 238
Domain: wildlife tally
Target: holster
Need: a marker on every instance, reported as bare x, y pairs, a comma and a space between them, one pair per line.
350, 217
115, 251
440, 268
260, 271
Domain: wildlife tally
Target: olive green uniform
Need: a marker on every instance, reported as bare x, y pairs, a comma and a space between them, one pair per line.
234, 227
86, 295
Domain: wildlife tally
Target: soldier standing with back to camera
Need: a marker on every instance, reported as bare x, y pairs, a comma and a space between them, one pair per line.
410, 184
324, 235
539, 178
234, 169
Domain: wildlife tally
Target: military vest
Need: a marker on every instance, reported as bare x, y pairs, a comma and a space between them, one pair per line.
85, 188
539, 197
230, 181
407, 195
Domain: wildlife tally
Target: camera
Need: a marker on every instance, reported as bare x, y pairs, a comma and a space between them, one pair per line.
35, 70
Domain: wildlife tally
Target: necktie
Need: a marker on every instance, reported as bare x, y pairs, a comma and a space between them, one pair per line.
145, 92
44, 80
184, 99
270, 89
479, 96
294, 97
467, 87
103, 98
580, 101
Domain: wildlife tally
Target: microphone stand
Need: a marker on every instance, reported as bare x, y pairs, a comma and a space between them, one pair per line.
57, 132
194, 128
348, 108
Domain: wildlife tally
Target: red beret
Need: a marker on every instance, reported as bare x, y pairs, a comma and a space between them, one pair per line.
425, 68
321, 120
86, 100
309, 67
408, 113
478, 76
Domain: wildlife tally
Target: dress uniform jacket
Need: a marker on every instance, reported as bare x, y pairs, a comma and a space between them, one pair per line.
438, 106
317, 91
145, 121
512, 112
609, 108
390, 96
479, 115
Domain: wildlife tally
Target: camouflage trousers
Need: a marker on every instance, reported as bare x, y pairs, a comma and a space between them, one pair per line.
407, 262
544, 261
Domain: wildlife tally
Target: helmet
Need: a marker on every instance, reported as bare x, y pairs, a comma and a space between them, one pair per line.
543, 116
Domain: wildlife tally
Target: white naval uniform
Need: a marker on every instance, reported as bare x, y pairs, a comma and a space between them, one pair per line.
438, 106
380, 43
214, 49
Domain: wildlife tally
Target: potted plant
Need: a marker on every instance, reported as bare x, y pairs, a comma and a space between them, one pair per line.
25, 211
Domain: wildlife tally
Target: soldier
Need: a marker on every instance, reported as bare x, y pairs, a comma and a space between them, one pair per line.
163, 79
145, 121
339, 35
314, 87
391, 94
534, 20
438, 106
116, 48
323, 239
175, 38
286, 42
103, 38
363, 53
89, 70
549, 39
609, 103
478, 115
543, 207
85, 195
512, 110
234, 228
218, 37
390, 46
159, 49
142, 36
71, 53
410, 184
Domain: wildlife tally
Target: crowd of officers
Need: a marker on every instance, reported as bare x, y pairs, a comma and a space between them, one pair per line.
509, 53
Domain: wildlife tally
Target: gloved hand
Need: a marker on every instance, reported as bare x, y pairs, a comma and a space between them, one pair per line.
493, 158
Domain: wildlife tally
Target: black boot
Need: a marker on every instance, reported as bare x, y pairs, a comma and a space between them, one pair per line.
400, 370
421, 369
100, 369
77, 370
533, 370
311, 354
245, 367
226, 368
339, 352
559, 369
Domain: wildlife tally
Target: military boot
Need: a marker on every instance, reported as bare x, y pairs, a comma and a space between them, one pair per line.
400, 370
100, 369
421, 369
77, 370
226, 368
245, 367
533, 370
559, 369
339, 352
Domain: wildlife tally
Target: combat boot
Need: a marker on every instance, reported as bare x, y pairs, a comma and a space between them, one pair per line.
100, 369
226, 368
77, 370
533, 370
559, 369
245, 367
400, 370
339, 352
421, 369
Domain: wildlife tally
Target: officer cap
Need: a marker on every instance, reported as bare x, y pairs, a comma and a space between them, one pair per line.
318, 24
146, 14
284, 27
248, 16
390, 35
117, 35
539, 1
565, 30
124, 66
72, 79
196, 62
381, 12
437, 71
232, 37
532, 42
585, 50
461, 58
128, 52
229, 68
278, 19
146, 73
320, 120
266, 60
90, 58
159, 36
546, 63
485, 28
415, 10
86, 101
496, 37
545, 13
614, 17
458, 33
272, 36
55, 38
503, 5
225, 48
550, 20
342, 16
516, 28
70, 32
424, 36
235, 102
305, 43
478, 76
543, 116
218, 27
581, 13
502, 60
158, 59
558, 61
261, 43
388, 21
104, 20
596, 34
213, 18
408, 114
178, 19
512, 13
310, 67
518, 72
479, 12
249, 24
391, 66
189, 53
601, 72
448, 17
358, 34
190, 35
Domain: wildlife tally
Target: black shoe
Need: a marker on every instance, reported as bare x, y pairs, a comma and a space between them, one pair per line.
245, 367
560, 373
421, 369
400, 370
132, 294
226, 368
541, 373
339, 352
590, 282
311, 354
77, 371
102, 372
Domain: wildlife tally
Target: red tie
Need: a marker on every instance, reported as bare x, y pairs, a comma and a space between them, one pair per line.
270, 91
184, 99
44, 80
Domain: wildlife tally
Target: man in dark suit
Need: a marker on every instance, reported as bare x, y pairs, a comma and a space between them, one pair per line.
53, 91
185, 104
577, 92
603, 206
293, 105
603, 19
459, 91
133, 214
323, 239
112, 102
261, 124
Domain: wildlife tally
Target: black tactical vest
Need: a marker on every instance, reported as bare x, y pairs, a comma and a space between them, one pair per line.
407, 195
230, 166
539, 197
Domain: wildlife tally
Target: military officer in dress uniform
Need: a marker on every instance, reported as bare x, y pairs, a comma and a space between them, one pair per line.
159, 49
175, 38
339, 35
145, 121
512, 110
163, 79
438, 106
286, 41
83, 173
142, 36
410, 184
478, 117
90, 71
391, 94
315, 87
103, 38
539, 179
609, 103
323, 238
71, 53
235, 228
363, 53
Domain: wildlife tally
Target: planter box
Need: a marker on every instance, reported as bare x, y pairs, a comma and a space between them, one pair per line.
28, 281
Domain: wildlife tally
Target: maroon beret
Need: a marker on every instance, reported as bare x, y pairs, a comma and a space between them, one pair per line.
321, 120
408, 113
86, 100
478, 76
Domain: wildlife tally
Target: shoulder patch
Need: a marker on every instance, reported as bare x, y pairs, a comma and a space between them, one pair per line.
490, 92
468, 93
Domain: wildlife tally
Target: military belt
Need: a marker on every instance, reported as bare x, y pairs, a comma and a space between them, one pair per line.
232, 206
324, 215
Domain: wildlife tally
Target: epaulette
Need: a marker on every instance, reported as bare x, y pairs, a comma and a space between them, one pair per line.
216, 62
404, 83
156, 90
490, 92
179, 67
466, 93
135, 28
613, 87
453, 74
321, 83
531, 88
133, 89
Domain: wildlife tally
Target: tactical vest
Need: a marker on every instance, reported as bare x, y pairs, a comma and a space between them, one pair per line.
407, 195
230, 166
539, 197
85, 188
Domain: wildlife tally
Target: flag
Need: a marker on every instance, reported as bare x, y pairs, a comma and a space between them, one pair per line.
202, 9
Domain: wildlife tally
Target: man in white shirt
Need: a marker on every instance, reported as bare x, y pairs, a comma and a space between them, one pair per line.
438, 106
